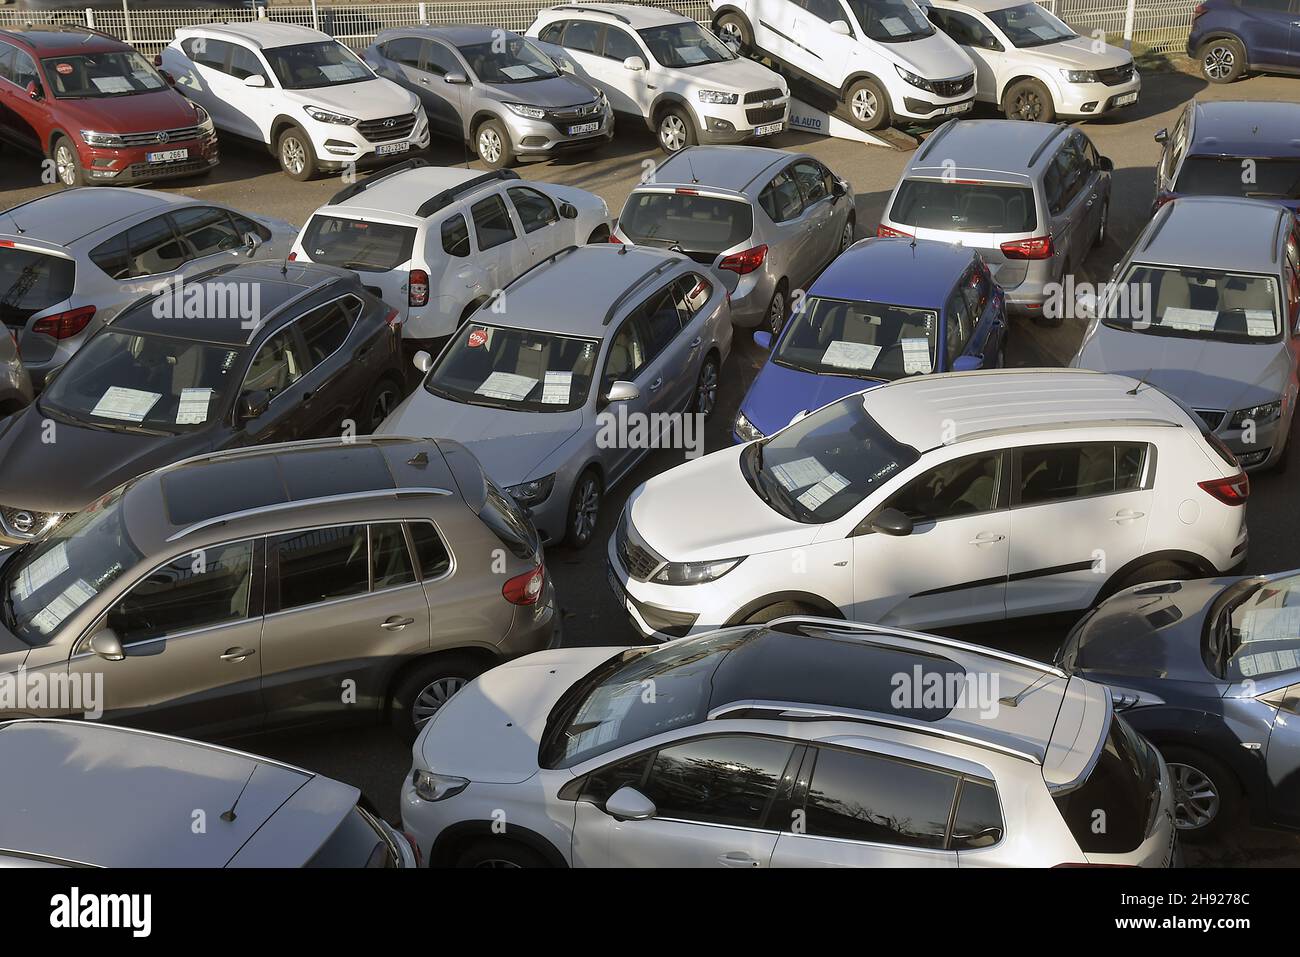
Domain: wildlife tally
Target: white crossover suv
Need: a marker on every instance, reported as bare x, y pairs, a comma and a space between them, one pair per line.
936, 501
435, 243
313, 102
663, 69
803, 743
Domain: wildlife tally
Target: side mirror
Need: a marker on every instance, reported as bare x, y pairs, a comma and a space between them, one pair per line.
34, 91
253, 405
255, 81
967, 363
252, 241
634, 63
171, 80
629, 804
622, 391
842, 28
1105, 164
568, 211
106, 644
890, 521
838, 189
422, 361
763, 339
456, 79
1161, 136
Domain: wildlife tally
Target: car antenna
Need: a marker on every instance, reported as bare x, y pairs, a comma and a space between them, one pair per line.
17, 225
1139, 384
695, 181
230, 815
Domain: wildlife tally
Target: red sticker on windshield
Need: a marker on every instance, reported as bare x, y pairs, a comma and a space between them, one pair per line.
64, 69
478, 338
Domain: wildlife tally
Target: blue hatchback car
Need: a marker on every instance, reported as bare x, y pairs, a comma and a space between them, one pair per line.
1209, 672
885, 309
1232, 37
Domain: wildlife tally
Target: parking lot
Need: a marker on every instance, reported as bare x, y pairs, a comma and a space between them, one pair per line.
374, 760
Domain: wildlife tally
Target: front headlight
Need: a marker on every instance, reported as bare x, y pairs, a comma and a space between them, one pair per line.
436, 787
523, 109
745, 429
719, 97
91, 138
919, 82
1079, 76
1259, 414
528, 494
695, 573
204, 118
329, 116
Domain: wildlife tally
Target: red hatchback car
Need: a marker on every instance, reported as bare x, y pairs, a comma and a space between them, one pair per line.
98, 109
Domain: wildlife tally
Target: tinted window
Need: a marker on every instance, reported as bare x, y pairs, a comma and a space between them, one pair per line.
455, 237
1069, 172
986, 208
31, 282
23, 70
244, 63
581, 35
353, 244
246, 226
535, 210
601, 784
6, 61
811, 178
279, 363
725, 780
975, 287
492, 222
979, 818
152, 248
404, 50
696, 224
326, 329
429, 548
662, 322
1211, 176
321, 564
619, 45
202, 588
207, 230
781, 199
828, 10
862, 797
965, 29
440, 61
207, 52
1113, 810
390, 559
1055, 472
551, 33
964, 486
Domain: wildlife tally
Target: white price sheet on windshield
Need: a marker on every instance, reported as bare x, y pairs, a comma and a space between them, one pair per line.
506, 385
916, 356
851, 355
128, 405
800, 473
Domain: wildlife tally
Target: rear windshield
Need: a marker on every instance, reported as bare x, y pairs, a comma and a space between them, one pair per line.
354, 244
32, 282
964, 207
694, 224
355, 843
1214, 176
1122, 795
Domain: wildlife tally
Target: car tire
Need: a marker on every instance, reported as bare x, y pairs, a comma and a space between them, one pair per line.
499, 852
779, 609
426, 688
492, 144
1157, 571
734, 25
296, 154
675, 130
848, 236
67, 164
867, 105
1102, 226
380, 401
598, 235
778, 310
1194, 772
584, 504
706, 388
1029, 100
1222, 60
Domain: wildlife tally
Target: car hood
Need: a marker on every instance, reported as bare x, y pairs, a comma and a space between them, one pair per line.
491, 730
1203, 374
739, 76
780, 393
367, 100
138, 113
704, 510
1079, 54
554, 92
935, 57
509, 445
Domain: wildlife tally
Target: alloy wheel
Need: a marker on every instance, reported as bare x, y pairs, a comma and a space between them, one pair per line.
1196, 801
489, 145
706, 392
432, 697
776, 312
1028, 105
864, 105
66, 165
1219, 63
846, 238
384, 403
293, 155
586, 510
672, 132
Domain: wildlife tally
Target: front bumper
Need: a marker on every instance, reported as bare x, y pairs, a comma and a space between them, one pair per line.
543, 137
129, 165
657, 612
1263, 453
338, 146
927, 107
1096, 99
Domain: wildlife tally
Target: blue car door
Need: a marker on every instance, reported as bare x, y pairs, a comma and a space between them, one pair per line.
986, 305
1268, 31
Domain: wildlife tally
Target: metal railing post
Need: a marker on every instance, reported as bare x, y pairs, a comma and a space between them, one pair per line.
126, 14
90, 18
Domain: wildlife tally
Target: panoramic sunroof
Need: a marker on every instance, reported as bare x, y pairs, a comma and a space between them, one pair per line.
316, 473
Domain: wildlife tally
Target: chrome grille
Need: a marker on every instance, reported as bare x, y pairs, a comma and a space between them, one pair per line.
567, 114
172, 168
1211, 417
758, 96
161, 137
23, 522
953, 87
388, 128
639, 560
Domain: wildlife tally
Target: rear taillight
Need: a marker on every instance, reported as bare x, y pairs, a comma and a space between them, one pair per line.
1233, 490
417, 288
744, 262
65, 325
525, 589
615, 239
886, 232
293, 257
1040, 247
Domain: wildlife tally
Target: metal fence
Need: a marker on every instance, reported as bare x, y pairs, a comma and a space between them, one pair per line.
1162, 25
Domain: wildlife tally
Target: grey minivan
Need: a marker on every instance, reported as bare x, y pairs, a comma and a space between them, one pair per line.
1032, 198
1214, 324
280, 585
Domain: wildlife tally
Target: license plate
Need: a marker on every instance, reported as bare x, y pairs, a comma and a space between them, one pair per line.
583, 128
1124, 99
389, 148
167, 156
767, 129
617, 587
958, 108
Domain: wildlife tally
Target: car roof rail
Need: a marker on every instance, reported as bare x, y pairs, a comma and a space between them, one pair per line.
586, 8
448, 196
635, 288
1047, 141
347, 192
932, 139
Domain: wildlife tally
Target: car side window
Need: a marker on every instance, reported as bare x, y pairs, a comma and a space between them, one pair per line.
552, 32
966, 30
23, 69
455, 236
692, 293
7, 62
964, 486
207, 230
630, 773
439, 60
404, 50
492, 222
619, 45
582, 35
826, 10
278, 364
321, 564
975, 287
957, 324
324, 330
728, 780
244, 63
865, 797
246, 226
212, 586
208, 52
1068, 165
430, 550
661, 320
811, 179
627, 354
978, 822
152, 247
390, 559
536, 210
781, 199
1052, 473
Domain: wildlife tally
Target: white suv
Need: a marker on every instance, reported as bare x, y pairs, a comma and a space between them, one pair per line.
663, 69
882, 59
298, 91
434, 243
936, 501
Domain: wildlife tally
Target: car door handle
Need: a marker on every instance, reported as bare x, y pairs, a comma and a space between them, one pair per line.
306, 397
654, 386
1126, 515
737, 859
237, 654
696, 343
987, 538
395, 623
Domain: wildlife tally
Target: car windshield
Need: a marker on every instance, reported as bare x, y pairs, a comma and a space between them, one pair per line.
1195, 304
50, 580
609, 708
1226, 176
699, 225
308, 66
818, 468
891, 21
101, 74
31, 282
358, 244
684, 44
1029, 25
1262, 633
132, 382
512, 60
515, 369
869, 340
964, 207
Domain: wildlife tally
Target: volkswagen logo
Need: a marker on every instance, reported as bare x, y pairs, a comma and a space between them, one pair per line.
163, 137
23, 522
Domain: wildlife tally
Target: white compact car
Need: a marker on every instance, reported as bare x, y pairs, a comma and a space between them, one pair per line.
435, 243
803, 743
1033, 66
936, 501
882, 59
663, 69
313, 102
